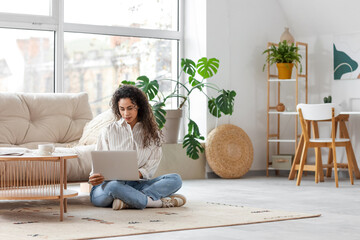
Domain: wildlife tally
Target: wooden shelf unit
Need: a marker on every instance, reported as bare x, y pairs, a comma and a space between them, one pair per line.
274, 137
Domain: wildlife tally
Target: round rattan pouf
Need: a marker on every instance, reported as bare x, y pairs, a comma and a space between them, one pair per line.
229, 151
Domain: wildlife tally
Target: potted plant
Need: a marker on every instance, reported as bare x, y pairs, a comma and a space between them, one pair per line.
284, 55
198, 75
327, 99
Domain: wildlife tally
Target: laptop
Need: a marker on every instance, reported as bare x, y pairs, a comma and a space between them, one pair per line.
116, 165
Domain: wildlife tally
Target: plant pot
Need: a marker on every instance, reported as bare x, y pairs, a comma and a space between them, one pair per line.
284, 70
172, 125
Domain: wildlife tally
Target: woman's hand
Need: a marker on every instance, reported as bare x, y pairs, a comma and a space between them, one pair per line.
96, 179
140, 175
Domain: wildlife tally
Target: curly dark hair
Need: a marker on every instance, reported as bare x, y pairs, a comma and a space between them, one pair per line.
145, 114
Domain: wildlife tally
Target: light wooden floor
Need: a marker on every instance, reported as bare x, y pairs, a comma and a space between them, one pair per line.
340, 208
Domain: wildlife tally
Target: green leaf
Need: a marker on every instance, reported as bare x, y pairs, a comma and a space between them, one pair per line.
125, 82
207, 67
193, 128
159, 114
213, 108
191, 141
193, 146
188, 66
193, 82
149, 88
225, 101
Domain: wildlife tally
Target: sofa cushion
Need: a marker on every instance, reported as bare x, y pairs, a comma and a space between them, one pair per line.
93, 128
42, 117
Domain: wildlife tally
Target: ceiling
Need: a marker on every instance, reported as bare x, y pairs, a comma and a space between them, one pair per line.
321, 17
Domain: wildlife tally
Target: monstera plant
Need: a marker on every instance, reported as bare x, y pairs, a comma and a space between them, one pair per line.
198, 75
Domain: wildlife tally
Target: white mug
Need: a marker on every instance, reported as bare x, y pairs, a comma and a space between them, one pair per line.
46, 149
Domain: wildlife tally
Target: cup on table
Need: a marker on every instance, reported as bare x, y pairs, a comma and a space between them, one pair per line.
46, 149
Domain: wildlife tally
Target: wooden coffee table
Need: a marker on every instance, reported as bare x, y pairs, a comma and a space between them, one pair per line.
32, 177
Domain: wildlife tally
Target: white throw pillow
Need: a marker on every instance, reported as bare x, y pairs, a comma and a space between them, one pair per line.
93, 128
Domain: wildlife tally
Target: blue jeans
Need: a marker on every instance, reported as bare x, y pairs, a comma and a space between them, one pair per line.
135, 193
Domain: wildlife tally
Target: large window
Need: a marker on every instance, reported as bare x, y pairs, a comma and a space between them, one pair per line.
87, 45
152, 14
97, 64
26, 60
34, 7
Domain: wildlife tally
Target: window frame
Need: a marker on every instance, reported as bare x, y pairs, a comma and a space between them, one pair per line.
55, 22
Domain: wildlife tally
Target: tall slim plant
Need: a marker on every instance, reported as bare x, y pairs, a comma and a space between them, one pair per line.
198, 75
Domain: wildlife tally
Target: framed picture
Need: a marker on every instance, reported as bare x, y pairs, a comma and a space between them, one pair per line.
346, 53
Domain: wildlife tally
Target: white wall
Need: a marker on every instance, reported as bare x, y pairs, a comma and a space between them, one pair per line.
323, 22
195, 48
317, 23
237, 33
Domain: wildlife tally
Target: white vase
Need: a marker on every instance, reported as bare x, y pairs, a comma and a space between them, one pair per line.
172, 125
286, 35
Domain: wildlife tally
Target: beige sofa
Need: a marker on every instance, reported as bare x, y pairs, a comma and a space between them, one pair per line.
29, 119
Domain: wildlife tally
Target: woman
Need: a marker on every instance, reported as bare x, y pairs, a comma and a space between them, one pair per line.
136, 130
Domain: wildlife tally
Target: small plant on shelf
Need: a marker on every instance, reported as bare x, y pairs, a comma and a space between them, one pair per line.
327, 99
284, 55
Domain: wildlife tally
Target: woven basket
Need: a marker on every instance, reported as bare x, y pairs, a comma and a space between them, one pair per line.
229, 151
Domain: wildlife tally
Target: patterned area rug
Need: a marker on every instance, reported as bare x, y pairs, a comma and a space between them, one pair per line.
40, 219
